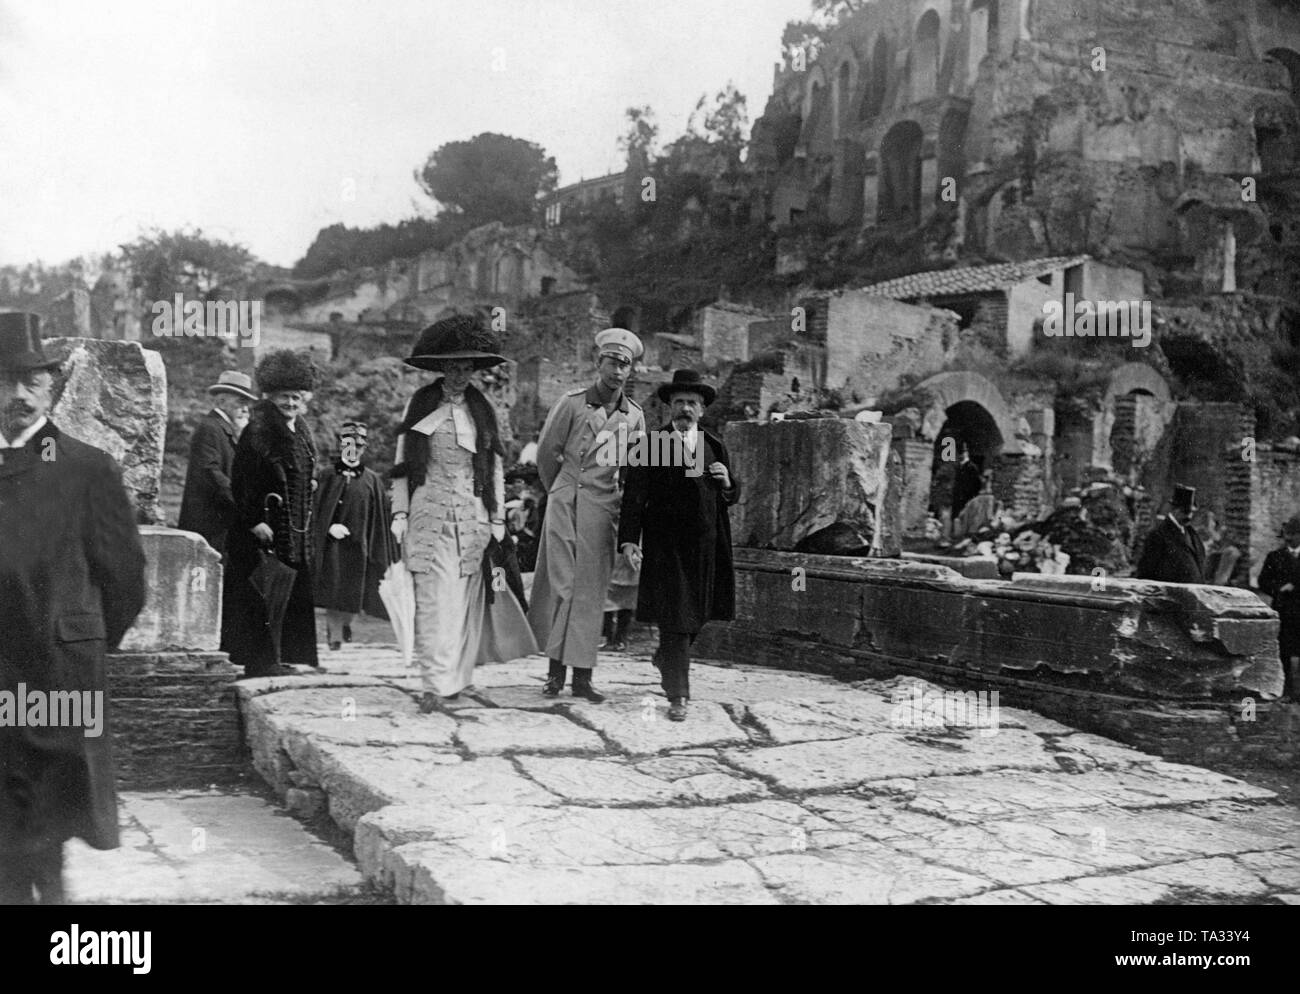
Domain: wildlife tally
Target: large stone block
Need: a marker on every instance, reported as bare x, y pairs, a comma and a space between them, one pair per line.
1159, 641
826, 485
183, 580
113, 395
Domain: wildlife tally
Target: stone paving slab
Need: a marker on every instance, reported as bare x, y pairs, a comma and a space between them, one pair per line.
778, 787
207, 847
423, 879
490, 732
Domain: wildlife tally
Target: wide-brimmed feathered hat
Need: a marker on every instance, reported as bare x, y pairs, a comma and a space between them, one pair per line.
285, 370
461, 336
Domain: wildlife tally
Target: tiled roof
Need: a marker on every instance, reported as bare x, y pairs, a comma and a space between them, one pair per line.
971, 279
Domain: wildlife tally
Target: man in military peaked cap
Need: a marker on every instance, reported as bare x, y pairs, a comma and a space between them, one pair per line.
71, 584
584, 491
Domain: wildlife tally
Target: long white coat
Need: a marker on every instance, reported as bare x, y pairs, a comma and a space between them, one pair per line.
579, 537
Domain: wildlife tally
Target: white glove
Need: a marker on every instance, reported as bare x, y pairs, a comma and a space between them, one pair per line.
499, 532
399, 529
339, 531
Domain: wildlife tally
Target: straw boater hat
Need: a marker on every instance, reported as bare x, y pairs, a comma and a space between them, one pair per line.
285, 370
461, 336
20, 343
687, 381
230, 381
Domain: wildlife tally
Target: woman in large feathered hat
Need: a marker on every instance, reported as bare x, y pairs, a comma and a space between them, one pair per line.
448, 507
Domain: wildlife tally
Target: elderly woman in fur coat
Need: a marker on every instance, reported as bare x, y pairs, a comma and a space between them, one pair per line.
272, 479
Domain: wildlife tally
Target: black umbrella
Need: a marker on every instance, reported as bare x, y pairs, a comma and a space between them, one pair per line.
273, 581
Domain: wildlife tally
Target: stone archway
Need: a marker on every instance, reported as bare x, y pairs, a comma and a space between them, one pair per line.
1135, 411
946, 390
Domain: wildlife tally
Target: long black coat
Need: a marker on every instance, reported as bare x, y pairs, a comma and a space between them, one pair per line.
208, 504
270, 459
681, 524
348, 570
71, 584
1279, 569
1172, 556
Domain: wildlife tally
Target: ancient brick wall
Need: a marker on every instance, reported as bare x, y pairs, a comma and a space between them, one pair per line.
1274, 496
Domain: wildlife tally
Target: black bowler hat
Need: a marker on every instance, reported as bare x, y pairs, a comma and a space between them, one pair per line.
687, 381
1184, 498
461, 336
20, 342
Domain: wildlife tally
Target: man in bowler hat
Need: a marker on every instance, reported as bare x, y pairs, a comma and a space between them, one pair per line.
584, 490
1174, 553
71, 584
207, 505
674, 525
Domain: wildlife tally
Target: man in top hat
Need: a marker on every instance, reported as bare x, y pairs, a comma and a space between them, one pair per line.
1173, 552
584, 491
208, 504
1279, 579
674, 525
71, 584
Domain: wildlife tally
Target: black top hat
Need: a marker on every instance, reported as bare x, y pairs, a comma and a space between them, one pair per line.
20, 342
1184, 498
687, 380
461, 336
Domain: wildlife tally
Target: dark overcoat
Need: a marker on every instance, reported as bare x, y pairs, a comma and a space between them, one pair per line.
1279, 569
348, 570
681, 524
72, 580
1171, 555
270, 459
208, 504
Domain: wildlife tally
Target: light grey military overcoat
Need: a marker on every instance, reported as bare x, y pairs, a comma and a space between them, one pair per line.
578, 544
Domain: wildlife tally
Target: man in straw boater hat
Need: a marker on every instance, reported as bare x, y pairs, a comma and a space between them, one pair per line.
674, 525
1279, 579
448, 507
71, 584
207, 506
272, 480
1173, 552
584, 491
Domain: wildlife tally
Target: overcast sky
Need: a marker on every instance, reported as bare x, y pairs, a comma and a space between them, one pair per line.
262, 121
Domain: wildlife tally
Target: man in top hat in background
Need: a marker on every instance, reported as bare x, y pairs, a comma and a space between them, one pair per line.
584, 491
1279, 579
1174, 553
208, 505
676, 516
71, 584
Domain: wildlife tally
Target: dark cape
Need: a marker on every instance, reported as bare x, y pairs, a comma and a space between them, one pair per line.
72, 580
1279, 569
1171, 555
348, 570
681, 524
270, 459
208, 503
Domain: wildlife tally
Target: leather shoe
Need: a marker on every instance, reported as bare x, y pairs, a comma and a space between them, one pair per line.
347, 633
582, 687
428, 703
335, 646
677, 709
555, 679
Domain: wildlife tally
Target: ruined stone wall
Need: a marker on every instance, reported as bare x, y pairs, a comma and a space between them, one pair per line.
871, 341
1274, 496
723, 331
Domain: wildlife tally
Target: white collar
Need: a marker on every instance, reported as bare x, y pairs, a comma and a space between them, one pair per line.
25, 437
466, 437
224, 416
